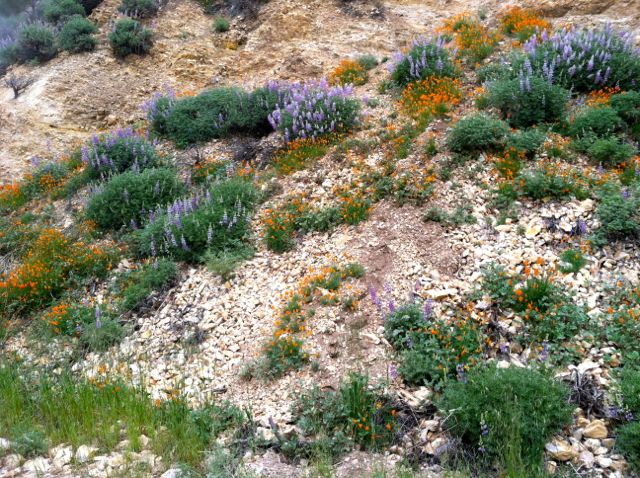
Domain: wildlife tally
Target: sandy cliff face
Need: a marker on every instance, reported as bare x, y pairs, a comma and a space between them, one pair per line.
78, 95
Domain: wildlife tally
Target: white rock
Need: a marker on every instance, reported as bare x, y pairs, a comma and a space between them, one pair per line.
61, 455
561, 450
4, 444
12, 461
84, 452
172, 473
596, 429
37, 465
603, 461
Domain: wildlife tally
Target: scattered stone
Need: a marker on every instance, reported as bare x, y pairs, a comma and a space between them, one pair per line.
561, 450
596, 429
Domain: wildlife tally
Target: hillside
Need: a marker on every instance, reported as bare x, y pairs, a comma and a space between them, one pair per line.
426, 267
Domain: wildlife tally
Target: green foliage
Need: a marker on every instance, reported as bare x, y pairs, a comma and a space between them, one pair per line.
437, 62
218, 222
77, 35
138, 285
611, 151
509, 413
595, 121
368, 62
477, 133
63, 409
224, 263
126, 199
100, 336
139, 8
522, 107
218, 113
221, 25
355, 414
572, 261
542, 183
629, 383
402, 323
130, 37
30, 444
618, 214
628, 443
59, 11
36, 42
627, 105
462, 214
528, 141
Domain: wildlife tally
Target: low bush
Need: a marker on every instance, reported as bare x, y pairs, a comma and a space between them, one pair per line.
128, 198
349, 72
522, 23
216, 220
527, 141
628, 443
528, 101
314, 109
611, 151
59, 11
117, 152
478, 132
130, 37
473, 40
139, 8
585, 59
368, 62
36, 42
136, 286
431, 97
627, 105
629, 383
595, 121
77, 35
572, 260
507, 414
424, 59
618, 215
221, 25
215, 113
355, 414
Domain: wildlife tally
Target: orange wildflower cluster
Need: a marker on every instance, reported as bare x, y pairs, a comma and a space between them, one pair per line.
601, 97
299, 152
472, 39
433, 96
46, 269
522, 23
11, 196
349, 72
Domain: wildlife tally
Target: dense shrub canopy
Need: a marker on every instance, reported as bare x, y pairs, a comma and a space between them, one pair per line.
477, 132
77, 35
59, 11
36, 42
130, 37
127, 199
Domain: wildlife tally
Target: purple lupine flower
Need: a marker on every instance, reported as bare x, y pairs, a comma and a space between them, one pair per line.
544, 353
98, 314
428, 309
393, 372
391, 306
462, 375
373, 293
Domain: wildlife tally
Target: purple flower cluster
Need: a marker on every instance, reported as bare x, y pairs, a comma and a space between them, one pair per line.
121, 150
159, 106
313, 109
426, 57
585, 59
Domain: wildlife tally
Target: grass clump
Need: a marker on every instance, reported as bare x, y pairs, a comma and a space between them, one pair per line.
509, 414
130, 37
77, 35
617, 214
221, 25
128, 198
628, 443
63, 409
476, 133
572, 260
528, 141
136, 286
139, 8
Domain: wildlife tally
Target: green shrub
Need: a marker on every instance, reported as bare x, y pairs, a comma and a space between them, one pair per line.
596, 121
216, 221
29, 444
528, 104
610, 151
36, 42
138, 285
618, 215
8, 56
528, 141
629, 382
368, 62
628, 443
118, 152
477, 133
59, 11
77, 35
221, 25
541, 183
100, 336
356, 413
426, 58
128, 198
402, 323
139, 8
627, 105
129, 36
509, 414
572, 261
216, 113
